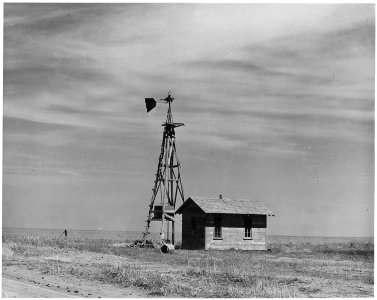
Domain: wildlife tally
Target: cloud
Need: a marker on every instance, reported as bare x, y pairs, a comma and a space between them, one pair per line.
261, 95
252, 70
355, 39
273, 97
344, 56
53, 19
44, 149
299, 86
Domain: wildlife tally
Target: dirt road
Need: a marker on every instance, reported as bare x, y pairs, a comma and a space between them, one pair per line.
20, 281
16, 289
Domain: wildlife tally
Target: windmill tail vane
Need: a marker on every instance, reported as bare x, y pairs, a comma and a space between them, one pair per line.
150, 103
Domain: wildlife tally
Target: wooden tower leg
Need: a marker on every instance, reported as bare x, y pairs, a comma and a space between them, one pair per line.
172, 233
156, 187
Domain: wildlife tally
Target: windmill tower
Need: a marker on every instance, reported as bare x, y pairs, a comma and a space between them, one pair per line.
167, 188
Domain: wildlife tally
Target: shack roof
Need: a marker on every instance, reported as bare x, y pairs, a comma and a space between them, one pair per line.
227, 206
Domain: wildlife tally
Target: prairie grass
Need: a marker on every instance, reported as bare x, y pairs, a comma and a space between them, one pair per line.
292, 268
197, 283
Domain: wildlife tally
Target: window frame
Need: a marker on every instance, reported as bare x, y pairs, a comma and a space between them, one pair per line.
218, 232
248, 228
247, 233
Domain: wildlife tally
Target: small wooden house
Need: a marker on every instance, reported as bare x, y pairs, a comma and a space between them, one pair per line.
220, 223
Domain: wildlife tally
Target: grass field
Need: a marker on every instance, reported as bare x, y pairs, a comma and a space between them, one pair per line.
295, 266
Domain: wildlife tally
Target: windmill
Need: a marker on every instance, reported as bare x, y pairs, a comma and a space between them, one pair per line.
167, 188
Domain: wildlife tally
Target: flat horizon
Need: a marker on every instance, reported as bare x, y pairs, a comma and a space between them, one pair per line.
179, 232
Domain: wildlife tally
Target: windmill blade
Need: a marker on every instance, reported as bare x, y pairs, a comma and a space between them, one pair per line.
150, 103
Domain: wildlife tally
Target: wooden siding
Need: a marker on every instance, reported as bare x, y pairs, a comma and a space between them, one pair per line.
193, 236
237, 221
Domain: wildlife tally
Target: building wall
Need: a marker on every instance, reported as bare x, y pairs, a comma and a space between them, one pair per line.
193, 234
233, 233
198, 231
233, 238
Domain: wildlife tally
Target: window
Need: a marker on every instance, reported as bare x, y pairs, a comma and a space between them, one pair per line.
248, 226
218, 234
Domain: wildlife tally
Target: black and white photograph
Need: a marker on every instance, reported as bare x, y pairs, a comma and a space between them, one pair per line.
188, 150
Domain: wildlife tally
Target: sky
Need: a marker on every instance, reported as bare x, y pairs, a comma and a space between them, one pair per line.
277, 101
